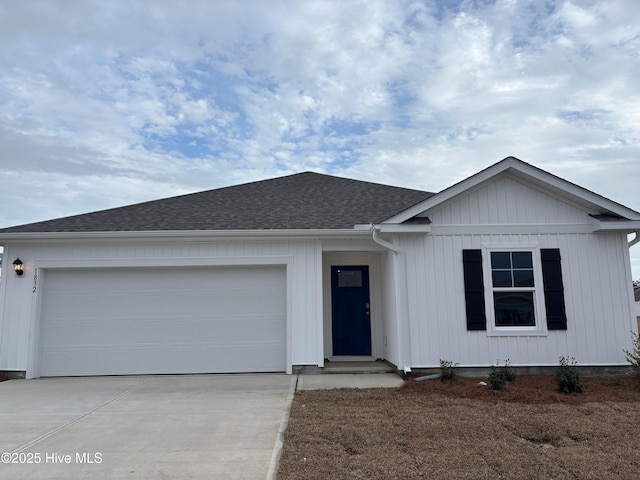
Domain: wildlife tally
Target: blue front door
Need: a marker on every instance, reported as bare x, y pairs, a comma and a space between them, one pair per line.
350, 313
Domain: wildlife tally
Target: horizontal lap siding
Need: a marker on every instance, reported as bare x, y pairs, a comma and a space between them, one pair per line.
596, 295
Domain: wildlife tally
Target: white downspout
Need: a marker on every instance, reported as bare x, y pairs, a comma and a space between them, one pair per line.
376, 238
400, 283
635, 240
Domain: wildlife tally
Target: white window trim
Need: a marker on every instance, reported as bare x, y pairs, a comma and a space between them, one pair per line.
540, 328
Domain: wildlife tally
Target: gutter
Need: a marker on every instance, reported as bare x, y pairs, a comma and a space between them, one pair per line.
391, 228
615, 226
375, 236
636, 239
180, 234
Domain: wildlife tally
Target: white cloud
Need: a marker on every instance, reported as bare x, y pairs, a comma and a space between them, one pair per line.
105, 103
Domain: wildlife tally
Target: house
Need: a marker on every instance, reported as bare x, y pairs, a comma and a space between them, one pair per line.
280, 274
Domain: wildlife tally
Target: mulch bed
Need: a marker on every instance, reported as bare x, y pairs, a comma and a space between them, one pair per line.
532, 390
462, 430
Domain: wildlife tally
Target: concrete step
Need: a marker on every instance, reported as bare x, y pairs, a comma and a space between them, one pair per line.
357, 367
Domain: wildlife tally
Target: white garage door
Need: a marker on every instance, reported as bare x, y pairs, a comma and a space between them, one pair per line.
169, 320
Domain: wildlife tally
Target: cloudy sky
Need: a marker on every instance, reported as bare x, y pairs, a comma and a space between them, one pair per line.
106, 103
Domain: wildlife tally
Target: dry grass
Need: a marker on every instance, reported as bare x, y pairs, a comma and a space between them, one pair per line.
464, 431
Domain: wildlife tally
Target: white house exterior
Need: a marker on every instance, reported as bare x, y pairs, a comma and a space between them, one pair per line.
428, 281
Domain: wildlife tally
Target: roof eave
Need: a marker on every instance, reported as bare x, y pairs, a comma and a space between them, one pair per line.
628, 226
180, 235
394, 228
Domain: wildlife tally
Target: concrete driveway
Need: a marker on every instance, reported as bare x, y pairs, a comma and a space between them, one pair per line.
173, 426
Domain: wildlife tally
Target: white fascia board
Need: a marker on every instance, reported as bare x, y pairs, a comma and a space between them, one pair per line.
181, 235
616, 226
574, 192
528, 172
401, 228
450, 192
510, 229
395, 228
595, 226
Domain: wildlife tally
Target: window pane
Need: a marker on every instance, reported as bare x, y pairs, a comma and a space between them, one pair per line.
501, 278
522, 260
514, 309
501, 260
522, 278
349, 278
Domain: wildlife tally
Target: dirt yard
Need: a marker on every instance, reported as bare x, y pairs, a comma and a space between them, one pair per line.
465, 431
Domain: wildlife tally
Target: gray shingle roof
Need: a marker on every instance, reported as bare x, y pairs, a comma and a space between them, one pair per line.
301, 201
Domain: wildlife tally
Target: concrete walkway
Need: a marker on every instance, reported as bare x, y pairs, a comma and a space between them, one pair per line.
349, 380
157, 426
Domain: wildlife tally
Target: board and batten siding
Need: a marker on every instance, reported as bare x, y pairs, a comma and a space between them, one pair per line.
505, 200
595, 270
507, 210
304, 271
390, 333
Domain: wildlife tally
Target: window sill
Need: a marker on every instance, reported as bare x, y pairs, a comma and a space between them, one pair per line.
516, 332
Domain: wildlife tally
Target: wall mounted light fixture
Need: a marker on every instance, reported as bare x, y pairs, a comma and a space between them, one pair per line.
18, 266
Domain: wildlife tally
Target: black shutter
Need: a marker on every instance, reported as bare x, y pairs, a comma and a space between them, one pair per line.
474, 290
553, 289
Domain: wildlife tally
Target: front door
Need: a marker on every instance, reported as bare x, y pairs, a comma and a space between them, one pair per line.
350, 315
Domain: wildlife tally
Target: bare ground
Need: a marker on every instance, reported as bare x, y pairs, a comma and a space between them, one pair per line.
466, 431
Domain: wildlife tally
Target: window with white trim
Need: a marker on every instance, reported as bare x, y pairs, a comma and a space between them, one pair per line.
513, 288
514, 295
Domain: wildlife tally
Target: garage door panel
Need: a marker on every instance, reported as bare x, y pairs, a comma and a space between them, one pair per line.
119, 321
221, 358
171, 304
164, 331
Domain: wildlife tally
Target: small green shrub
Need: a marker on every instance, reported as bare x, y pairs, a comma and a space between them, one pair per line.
633, 357
497, 379
448, 371
509, 372
567, 376
499, 376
